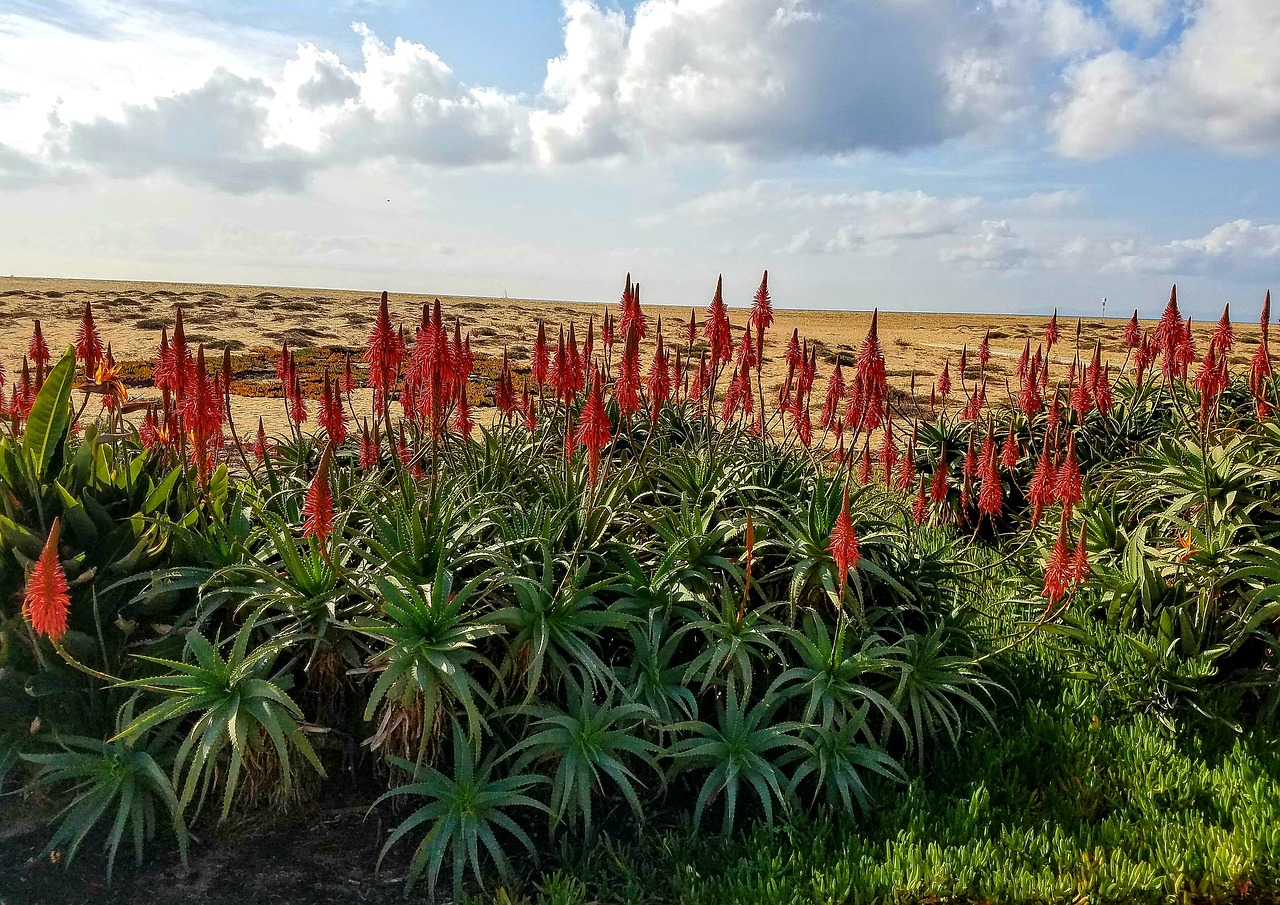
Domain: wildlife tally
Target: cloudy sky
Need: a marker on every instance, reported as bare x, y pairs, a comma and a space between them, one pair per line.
911, 154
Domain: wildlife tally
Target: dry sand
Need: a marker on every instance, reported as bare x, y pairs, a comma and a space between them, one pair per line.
130, 315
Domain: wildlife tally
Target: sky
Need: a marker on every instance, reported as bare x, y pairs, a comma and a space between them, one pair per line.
934, 155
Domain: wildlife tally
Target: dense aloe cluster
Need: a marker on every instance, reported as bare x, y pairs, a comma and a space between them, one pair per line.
663, 590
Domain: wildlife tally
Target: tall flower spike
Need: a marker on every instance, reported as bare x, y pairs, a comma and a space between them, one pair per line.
88, 342
1080, 568
872, 379
1068, 481
991, 495
1132, 333
944, 379
593, 425
716, 328
368, 449
1041, 492
1057, 569
383, 356
761, 315
984, 350
1051, 332
938, 490
46, 602
333, 417
835, 392
317, 505
38, 349
1223, 336
843, 545
538, 367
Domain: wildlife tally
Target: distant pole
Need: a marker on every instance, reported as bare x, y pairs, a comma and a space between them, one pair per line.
1104, 306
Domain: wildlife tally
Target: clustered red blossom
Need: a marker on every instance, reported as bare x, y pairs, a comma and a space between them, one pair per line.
595, 390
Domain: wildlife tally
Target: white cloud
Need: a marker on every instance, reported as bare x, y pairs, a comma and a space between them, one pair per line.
1048, 202
1218, 87
995, 246
1240, 247
1147, 17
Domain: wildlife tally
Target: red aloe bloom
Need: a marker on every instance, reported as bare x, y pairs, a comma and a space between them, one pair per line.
1010, 450
1068, 482
793, 357
630, 313
1102, 391
317, 505
348, 378
561, 374
691, 331
593, 426
738, 394
964, 360
1024, 361
1143, 357
1051, 332
541, 357
1260, 370
1168, 334
24, 393
984, 350
907, 474
761, 315
463, 422
991, 495
577, 367
181, 362
658, 382
920, 507
369, 454
504, 394
88, 342
938, 491
944, 379
969, 466
261, 446
1223, 336
1043, 480
626, 389
716, 328
1080, 568
384, 355
333, 418
746, 350
163, 372
802, 422
46, 602
295, 402
1132, 333
835, 392
38, 349
843, 545
1082, 399
1057, 569
888, 454
151, 434
528, 411
864, 466
872, 380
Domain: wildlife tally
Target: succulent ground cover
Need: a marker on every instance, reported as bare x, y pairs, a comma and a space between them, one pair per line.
1008, 637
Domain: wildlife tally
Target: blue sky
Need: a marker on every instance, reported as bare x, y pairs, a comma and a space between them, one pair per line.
985, 155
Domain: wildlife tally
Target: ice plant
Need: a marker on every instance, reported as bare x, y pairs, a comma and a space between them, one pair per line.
46, 602
317, 505
88, 342
843, 545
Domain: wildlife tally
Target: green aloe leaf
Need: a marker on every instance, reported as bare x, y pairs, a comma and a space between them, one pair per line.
50, 415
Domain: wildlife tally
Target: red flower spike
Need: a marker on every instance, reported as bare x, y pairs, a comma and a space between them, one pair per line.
1051, 332
1041, 492
907, 475
716, 328
991, 494
1132, 333
938, 491
463, 422
384, 355
369, 455
626, 389
888, 454
593, 426
658, 381
761, 315
317, 505
46, 603
1068, 482
843, 545
348, 378
1023, 362
872, 379
691, 331
1010, 451
920, 507
835, 392
1223, 336
333, 419
38, 349
1057, 569
984, 350
260, 448
864, 467
541, 357
88, 342
944, 379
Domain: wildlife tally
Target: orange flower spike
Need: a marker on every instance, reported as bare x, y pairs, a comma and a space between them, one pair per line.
46, 602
